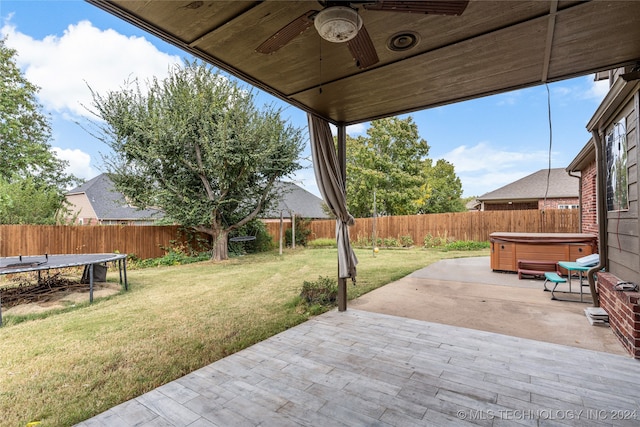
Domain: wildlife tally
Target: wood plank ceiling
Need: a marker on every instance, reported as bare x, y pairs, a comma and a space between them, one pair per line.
494, 46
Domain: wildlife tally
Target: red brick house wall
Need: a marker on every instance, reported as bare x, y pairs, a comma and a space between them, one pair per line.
554, 203
516, 206
589, 200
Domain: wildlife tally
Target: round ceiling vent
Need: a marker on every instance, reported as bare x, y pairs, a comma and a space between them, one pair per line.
403, 41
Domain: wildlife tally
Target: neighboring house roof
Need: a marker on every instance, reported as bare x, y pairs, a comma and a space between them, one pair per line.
534, 186
110, 204
473, 205
296, 199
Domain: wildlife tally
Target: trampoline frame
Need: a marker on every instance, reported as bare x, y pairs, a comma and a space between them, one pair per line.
39, 263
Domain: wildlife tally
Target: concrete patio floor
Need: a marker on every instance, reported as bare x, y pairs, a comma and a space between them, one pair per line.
366, 368
466, 292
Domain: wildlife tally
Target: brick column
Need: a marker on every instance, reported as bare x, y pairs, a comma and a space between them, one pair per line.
623, 309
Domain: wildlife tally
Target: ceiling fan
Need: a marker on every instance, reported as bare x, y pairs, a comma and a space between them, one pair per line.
339, 22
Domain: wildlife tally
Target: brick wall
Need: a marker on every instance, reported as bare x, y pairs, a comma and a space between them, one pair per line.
589, 200
554, 203
623, 309
516, 206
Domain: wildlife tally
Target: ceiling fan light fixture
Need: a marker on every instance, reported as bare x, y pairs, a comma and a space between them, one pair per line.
338, 24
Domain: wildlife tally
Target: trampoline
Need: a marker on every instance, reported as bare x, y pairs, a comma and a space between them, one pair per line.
39, 263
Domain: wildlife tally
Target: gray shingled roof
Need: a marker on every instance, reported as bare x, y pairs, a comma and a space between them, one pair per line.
110, 204
298, 200
534, 186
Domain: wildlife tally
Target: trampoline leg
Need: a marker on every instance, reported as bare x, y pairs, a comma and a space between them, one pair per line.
0, 311
90, 283
124, 265
120, 270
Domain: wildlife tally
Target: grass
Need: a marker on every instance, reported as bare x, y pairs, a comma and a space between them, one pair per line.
71, 365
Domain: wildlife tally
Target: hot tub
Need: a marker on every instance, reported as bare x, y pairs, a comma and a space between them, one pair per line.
508, 248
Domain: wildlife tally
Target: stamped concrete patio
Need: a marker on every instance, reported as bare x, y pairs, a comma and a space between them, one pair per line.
365, 368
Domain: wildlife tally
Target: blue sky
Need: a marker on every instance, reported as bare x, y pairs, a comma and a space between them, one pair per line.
65, 46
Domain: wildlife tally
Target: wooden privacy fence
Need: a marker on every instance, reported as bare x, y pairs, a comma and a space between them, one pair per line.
143, 241
150, 241
456, 226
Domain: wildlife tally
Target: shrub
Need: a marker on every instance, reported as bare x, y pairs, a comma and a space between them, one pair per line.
466, 245
367, 242
322, 243
434, 241
391, 242
406, 241
361, 242
303, 231
262, 243
323, 291
174, 256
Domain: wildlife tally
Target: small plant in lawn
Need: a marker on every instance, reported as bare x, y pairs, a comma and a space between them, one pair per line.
323, 291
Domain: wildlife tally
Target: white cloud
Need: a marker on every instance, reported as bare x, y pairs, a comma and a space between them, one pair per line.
358, 129
79, 162
597, 89
483, 168
482, 157
63, 66
510, 98
352, 130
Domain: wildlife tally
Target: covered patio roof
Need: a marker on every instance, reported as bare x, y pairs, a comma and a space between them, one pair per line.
491, 47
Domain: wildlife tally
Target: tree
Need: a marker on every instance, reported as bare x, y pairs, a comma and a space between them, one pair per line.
26, 202
29, 170
392, 161
195, 145
443, 189
388, 161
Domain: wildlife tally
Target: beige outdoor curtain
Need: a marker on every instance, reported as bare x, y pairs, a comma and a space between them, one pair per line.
332, 188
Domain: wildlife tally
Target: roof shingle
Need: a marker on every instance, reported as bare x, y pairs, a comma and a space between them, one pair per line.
534, 186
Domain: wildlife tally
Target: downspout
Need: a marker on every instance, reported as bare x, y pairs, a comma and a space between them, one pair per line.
601, 198
579, 197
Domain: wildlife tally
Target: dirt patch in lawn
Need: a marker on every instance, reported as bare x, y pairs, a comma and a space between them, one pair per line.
25, 299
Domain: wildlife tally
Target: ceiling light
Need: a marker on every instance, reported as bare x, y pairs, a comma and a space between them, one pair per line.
338, 24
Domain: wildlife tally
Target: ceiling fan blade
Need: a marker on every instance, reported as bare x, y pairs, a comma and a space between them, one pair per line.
430, 7
362, 49
287, 33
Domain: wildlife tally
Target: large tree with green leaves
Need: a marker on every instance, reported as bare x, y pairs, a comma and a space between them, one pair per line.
28, 167
23, 201
195, 145
391, 160
442, 189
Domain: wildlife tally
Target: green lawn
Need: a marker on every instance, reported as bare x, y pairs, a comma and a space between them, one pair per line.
74, 364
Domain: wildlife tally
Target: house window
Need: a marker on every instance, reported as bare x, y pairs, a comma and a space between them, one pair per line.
568, 206
616, 156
